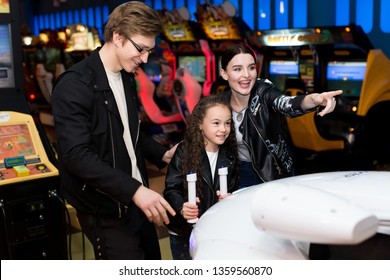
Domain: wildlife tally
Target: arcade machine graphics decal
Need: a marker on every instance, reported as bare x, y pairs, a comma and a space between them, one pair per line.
217, 21
176, 25
4, 7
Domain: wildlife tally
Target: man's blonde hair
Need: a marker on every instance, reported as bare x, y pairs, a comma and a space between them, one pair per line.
133, 18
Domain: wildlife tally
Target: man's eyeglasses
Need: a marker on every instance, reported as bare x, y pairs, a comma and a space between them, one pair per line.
141, 50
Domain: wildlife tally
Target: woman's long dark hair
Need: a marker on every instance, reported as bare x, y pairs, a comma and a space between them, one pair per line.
232, 51
194, 146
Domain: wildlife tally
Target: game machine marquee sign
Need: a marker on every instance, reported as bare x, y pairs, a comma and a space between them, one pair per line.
294, 37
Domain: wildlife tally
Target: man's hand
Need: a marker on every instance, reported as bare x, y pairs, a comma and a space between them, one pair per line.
153, 205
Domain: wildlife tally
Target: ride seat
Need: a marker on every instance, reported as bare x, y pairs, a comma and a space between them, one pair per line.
45, 82
187, 91
146, 90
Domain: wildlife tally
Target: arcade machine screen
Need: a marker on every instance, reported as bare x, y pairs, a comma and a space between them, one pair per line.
153, 69
196, 65
347, 76
6, 71
281, 70
306, 70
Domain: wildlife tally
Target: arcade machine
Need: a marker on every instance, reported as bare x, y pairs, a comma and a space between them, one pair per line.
146, 82
193, 60
222, 28
44, 60
330, 58
159, 114
81, 40
32, 213
292, 64
154, 81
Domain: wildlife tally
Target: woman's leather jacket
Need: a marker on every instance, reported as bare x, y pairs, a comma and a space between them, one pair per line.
262, 129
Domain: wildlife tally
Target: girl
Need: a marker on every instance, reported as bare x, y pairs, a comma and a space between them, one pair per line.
209, 143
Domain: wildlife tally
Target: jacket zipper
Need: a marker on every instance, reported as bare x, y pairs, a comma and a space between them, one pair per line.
138, 129
113, 156
276, 162
135, 146
209, 185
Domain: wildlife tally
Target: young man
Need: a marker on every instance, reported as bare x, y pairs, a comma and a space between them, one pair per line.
101, 148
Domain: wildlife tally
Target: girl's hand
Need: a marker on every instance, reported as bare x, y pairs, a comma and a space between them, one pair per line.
220, 197
190, 211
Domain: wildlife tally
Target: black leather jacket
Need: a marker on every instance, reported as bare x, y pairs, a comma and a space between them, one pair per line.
174, 185
262, 129
95, 168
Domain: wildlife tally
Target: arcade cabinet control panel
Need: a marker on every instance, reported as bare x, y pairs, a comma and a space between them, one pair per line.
22, 156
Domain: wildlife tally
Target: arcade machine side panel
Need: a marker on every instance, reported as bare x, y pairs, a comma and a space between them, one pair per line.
32, 213
372, 140
375, 87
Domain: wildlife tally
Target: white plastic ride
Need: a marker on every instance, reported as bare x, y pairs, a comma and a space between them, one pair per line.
279, 219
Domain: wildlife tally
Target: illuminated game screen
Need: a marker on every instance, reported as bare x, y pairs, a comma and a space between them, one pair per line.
196, 65
153, 70
15, 140
6, 69
347, 76
306, 70
281, 70
22, 155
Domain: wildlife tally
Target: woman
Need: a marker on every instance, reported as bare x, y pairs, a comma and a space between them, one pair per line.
257, 107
